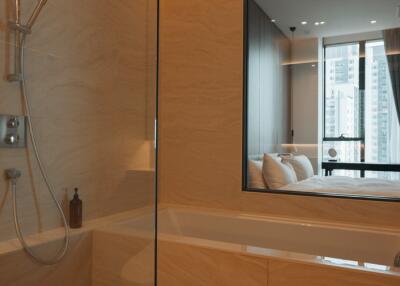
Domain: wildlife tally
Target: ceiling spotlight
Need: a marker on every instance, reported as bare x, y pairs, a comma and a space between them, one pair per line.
273, 20
304, 23
316, 23
373, 21
322, 23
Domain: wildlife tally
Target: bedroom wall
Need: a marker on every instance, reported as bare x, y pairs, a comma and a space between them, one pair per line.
268, 84
200, 120
304, 80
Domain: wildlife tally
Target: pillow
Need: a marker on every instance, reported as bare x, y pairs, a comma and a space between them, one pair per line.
301, 165
255, 175
277, 173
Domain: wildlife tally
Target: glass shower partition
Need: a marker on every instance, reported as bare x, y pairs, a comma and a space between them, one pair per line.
89, 71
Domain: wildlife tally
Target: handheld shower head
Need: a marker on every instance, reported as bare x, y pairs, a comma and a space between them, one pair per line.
36, 13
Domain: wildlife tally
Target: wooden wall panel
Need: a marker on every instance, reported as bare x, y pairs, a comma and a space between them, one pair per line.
200, 117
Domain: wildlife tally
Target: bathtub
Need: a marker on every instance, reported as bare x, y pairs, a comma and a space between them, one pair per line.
350, 243
212, 247
289, 250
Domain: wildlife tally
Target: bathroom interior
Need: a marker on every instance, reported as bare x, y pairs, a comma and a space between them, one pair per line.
190, 142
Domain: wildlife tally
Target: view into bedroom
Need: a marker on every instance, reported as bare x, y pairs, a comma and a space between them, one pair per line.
322, 98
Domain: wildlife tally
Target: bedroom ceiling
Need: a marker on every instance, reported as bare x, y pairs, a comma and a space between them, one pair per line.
341, 17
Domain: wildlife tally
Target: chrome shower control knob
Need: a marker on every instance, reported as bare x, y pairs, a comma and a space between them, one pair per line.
13, 122
11, 139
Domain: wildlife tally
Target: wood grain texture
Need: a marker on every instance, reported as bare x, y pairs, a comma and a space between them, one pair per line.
200, 120
182, 265
16, 269
121, 259
186, 264
90, 70
297, 274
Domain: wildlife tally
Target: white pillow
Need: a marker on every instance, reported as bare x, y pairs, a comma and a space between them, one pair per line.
277, 173
301, 165
255, 175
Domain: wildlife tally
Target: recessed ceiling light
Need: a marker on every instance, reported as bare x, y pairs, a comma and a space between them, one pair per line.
304, 23
273, 20
373, 21
316, 23
322, 23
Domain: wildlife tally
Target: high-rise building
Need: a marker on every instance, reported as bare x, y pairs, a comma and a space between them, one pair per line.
381, 130
342, 103
349, 111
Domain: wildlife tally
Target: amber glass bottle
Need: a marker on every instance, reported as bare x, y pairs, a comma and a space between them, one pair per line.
75, 211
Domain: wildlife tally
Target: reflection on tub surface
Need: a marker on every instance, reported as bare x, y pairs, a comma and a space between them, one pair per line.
351, 243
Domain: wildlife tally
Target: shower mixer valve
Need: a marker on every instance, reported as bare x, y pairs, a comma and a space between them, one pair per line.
12, 131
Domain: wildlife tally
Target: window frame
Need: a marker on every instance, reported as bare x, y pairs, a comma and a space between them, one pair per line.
245, 158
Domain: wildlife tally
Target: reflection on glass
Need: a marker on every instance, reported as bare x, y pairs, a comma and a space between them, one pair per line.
339, 261
376, 267
345, 262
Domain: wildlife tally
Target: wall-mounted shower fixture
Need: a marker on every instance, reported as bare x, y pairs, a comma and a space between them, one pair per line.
12, 131
21, 33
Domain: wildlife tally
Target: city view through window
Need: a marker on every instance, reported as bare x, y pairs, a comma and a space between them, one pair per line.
355, 115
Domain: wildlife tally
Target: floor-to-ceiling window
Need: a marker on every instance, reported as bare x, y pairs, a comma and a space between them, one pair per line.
382, 131
360, 118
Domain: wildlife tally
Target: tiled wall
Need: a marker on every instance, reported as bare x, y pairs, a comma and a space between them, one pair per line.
90, 72
201, 103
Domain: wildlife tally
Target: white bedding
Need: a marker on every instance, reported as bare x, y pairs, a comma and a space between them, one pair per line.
348, 186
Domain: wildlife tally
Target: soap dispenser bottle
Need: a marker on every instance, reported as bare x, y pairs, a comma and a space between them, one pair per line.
75, 211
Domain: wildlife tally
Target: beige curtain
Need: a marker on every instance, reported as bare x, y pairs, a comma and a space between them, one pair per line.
392, 47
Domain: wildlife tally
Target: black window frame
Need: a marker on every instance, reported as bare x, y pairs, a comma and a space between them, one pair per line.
245, 187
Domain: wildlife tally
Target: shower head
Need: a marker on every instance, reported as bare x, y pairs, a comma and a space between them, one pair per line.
35, 13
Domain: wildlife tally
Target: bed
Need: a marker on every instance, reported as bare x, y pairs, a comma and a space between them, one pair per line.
347, 185
341, 185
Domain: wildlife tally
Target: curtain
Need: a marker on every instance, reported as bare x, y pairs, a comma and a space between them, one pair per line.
392, 46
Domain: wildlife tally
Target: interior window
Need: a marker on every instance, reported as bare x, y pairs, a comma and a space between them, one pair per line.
322, 99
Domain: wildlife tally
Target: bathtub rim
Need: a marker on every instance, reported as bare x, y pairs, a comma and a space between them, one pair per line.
165, 207
89, 226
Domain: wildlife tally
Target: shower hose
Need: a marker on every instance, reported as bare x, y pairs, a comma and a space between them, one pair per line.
27, 106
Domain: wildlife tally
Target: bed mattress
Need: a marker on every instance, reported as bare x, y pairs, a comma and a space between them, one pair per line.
348, 186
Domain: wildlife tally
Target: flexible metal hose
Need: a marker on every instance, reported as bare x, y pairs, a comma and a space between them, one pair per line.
61, 253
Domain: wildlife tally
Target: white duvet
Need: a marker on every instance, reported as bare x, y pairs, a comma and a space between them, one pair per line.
348, 186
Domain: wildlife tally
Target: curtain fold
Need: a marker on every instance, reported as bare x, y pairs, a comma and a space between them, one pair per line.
392, 46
